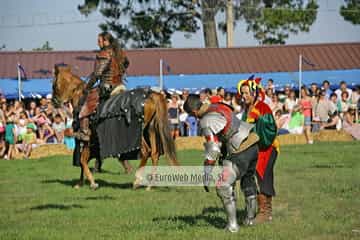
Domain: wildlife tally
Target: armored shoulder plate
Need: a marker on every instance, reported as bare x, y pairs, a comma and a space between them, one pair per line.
104, 54
214, 121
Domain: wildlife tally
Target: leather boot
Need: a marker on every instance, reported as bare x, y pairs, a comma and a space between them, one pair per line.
262, 215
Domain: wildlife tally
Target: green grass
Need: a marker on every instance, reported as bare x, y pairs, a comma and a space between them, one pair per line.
318, 189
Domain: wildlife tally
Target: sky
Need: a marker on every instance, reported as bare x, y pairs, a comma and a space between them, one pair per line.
28, 24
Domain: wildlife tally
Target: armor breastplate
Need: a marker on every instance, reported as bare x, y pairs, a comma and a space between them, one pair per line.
235, 130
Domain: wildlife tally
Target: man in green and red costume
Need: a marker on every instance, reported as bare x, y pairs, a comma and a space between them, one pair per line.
260, 114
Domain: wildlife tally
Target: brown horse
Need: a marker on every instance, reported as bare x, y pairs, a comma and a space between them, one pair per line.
68, 87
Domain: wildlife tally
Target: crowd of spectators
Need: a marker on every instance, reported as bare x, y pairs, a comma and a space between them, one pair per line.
27, 124
317, 108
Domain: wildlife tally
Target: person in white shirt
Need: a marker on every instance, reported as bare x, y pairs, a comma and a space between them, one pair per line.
343, 88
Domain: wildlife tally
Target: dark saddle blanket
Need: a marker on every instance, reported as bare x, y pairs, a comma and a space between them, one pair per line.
119, 124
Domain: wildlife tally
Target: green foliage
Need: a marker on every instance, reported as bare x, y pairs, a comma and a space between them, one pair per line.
45, 47
152, 22
351, 11
317, 188
272, 21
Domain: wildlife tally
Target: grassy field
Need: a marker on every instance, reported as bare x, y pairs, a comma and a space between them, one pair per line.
318, 189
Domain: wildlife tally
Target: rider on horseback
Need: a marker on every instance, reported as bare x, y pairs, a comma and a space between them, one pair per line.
111, 64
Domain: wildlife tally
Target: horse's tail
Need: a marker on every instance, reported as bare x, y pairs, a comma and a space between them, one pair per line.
167, 142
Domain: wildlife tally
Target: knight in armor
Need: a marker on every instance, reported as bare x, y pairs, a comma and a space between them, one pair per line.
259, 113
229, 142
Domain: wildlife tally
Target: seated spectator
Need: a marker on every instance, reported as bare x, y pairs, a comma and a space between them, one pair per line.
355, 96
333, 122
275, 104
10, 136
21, 124
192, 125
343, 88
268, 96
29, 140
290, 101
334, 102
349, 124
59, 127
321, 111
296, 123
31, 112
344, 103
287, 91
282, 121
46, 133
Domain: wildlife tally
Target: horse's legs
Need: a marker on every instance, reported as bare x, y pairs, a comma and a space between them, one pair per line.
85, 157
138, 174
155, 154
81, 181
126, 165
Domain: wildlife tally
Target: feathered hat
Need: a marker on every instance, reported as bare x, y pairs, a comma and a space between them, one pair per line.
254, 85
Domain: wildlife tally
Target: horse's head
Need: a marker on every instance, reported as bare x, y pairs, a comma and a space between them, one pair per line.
66, 86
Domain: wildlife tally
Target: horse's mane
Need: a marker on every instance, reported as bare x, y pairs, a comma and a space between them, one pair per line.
65, 71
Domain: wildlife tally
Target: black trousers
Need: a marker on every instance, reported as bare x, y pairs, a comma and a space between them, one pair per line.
266, 184
246, 164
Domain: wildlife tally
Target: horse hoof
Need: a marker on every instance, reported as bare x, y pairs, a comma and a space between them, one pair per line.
78, 186
148, 188
94, 186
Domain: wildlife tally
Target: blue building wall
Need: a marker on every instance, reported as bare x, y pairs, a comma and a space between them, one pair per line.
33, 87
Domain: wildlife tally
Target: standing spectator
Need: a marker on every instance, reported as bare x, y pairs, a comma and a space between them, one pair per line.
182, 121
228, 99
69, 139
343, 88
221, 93
43, 105
192, 124
326, 88
2, 129
10, 136
314, 91
204, 98
306, 106
59, 128
29, 140
290, 102
173, 112
270, 85
31, 112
